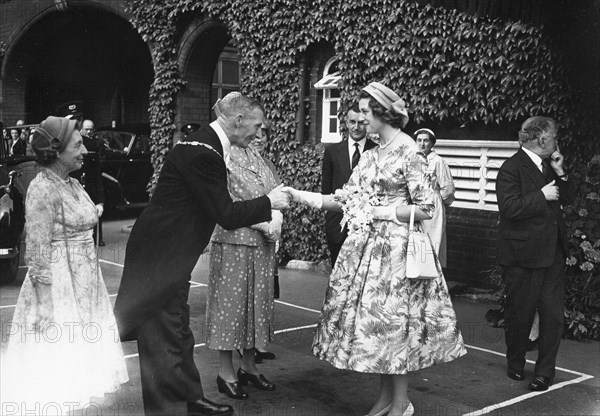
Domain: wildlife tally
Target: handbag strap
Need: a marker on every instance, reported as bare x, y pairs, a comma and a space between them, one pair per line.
411, 225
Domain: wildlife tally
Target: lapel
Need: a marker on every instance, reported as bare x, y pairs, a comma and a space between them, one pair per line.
207, 136
370, 144
213, 139
343, 157
531, 170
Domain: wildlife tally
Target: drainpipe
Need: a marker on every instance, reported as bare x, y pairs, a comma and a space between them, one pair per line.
300, 114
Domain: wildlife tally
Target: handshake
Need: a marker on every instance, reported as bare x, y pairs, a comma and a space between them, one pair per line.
282, 196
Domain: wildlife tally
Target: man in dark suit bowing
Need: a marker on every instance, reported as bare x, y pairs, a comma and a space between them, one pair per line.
165, 243
338, 161
532, 185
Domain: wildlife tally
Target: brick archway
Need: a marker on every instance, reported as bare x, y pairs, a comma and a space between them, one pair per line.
88, 52
201, 43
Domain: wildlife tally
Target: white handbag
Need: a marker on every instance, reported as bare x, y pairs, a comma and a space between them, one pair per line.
420, 257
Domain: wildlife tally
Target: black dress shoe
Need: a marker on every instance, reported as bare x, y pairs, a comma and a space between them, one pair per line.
540, 383
101, 244
204, 407
516, 375
233, 390
265, 355
258, 380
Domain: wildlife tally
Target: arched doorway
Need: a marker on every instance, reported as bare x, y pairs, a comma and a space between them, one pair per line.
208, 61
87, 54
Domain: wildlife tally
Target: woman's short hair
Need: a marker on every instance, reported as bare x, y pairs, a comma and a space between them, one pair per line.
428, 132
393, 119
535, 127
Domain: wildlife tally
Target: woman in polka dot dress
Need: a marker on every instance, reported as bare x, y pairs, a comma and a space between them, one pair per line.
239, 311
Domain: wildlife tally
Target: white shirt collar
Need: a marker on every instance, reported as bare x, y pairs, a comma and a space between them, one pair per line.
351, 148
535, 158
223, 139
361, 145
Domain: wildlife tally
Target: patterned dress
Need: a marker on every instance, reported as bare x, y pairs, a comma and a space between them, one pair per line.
239, 310
78, 355
374, 319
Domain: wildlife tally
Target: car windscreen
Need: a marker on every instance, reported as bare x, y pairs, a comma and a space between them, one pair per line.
115, 140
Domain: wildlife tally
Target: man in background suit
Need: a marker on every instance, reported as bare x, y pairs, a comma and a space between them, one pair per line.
90, 175
338, 161
532, 247
165, 243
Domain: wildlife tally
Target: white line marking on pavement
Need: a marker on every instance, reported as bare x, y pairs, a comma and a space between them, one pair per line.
281, 331
111, 263
582, 376
297, 307
524, 397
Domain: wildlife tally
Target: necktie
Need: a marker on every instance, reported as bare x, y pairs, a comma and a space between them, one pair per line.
355, 155
546, 171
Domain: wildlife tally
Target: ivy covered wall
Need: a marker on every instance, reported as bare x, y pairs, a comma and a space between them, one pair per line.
450, 67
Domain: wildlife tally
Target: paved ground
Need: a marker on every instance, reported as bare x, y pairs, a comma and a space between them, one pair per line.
472, 385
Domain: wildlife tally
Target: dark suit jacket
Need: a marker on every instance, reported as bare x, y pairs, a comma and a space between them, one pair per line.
90, 175
530, 227
169, 236
336, 172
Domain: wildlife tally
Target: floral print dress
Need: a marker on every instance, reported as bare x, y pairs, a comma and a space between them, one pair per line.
61, 365
374, 319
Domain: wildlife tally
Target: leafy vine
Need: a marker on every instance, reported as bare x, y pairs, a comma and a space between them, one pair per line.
450, 67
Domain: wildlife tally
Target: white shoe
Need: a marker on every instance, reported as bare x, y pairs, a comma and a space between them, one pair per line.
383, 411
410, 410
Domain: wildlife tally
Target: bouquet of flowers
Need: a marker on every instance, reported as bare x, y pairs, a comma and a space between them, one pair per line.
357, 205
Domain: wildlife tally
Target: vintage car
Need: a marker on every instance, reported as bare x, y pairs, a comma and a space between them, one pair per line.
125, 164
15, 174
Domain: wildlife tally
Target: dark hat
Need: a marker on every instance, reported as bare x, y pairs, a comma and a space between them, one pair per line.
190, 128
51, 137
70, 110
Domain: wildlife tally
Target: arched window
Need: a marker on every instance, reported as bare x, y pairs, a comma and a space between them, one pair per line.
226, 77
331, 102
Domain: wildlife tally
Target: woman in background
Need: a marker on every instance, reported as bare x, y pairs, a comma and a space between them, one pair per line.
239, 311
260, 144
443, 184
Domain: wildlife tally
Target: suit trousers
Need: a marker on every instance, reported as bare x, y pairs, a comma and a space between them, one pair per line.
170, 379
527, 290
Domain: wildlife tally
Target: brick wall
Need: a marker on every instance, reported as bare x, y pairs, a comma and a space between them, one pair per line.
471, 238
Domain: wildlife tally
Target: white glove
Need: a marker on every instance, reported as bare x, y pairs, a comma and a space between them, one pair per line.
275, 226
272, 229
386, 213
310, 199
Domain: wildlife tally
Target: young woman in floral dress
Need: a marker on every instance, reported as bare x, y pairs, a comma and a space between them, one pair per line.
374, 319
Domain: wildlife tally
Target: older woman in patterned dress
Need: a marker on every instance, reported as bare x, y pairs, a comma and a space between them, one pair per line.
374, 319
239, 312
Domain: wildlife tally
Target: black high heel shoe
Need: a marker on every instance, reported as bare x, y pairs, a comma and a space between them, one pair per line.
257, 357
267, 355
233, 390
258, 380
